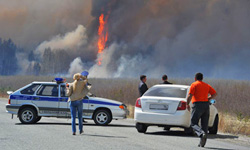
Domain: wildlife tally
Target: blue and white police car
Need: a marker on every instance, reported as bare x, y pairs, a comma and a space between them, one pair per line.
48, 99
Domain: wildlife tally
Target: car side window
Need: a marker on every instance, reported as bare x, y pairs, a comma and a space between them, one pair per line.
30, 90
63, 91
48, 90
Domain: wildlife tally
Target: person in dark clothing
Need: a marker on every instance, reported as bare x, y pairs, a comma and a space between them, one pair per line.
198, 94
143, 86
165, 79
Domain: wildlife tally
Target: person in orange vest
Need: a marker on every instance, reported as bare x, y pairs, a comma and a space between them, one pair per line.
198, 94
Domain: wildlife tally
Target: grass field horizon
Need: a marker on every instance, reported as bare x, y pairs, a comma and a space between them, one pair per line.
232, 101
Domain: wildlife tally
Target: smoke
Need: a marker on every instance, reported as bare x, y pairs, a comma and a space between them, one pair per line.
126, 64
23, 62
28, 23
173, 37
103, 71
179, 38
70, 41
76, 66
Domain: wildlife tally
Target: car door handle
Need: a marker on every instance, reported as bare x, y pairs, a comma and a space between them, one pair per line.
64, 99
36, 98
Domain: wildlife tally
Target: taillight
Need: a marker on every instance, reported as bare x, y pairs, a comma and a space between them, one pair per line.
138, 103
182, 105
9, 101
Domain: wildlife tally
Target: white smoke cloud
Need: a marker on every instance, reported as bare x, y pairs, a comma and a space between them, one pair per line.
96, 71
102, 71
76, 66
128, 66
23, 62
71, 40
29, 22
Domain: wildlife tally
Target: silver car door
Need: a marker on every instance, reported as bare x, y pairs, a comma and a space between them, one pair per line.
86, 113
26, 95
63, 108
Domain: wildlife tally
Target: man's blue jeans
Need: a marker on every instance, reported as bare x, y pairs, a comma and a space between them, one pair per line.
76, 106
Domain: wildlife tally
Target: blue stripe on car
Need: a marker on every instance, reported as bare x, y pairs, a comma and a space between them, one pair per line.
104, 103
55, 99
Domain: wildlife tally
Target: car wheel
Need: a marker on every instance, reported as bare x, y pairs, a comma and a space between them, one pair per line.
189, 131
38, 119
27, 115
102, 117
214, 129
166, 128
141, 128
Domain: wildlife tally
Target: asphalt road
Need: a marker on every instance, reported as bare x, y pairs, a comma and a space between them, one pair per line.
54, 133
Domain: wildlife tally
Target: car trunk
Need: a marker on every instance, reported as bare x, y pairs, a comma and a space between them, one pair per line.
164, 105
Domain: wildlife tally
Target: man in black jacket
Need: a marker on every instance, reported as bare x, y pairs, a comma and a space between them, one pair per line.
165, 79
143, 86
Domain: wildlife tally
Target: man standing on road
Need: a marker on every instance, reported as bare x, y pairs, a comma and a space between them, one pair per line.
143, 86
198, 94
165, 79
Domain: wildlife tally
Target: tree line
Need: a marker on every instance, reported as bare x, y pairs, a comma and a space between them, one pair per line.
8, 59
50, 63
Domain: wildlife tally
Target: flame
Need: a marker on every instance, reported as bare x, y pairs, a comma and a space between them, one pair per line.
102, 36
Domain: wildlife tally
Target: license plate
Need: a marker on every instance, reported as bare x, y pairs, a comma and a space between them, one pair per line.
158, 106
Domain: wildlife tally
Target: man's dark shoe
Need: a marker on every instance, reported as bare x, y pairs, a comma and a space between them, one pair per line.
81, 132
74, 133
203, 140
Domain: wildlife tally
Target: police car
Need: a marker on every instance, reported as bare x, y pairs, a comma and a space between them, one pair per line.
48, 99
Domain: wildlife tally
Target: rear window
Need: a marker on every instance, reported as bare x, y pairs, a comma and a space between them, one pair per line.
167, 92
30, 90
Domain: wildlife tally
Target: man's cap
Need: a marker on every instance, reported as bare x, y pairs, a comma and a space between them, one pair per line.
85, 73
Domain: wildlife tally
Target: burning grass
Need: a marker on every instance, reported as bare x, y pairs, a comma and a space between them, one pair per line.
232, 100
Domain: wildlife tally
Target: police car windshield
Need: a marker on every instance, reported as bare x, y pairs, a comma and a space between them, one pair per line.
177, 92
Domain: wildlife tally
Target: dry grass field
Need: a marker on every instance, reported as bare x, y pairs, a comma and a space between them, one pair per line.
233, 100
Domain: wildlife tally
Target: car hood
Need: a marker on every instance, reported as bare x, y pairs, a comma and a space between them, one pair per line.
105, 100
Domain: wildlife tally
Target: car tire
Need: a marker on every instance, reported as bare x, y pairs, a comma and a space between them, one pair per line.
214, 129
102, 117
166, 128
38, 119
27, 115
189, 131
141, 128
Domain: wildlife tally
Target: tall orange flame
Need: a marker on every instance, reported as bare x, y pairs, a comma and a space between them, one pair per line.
102, 36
